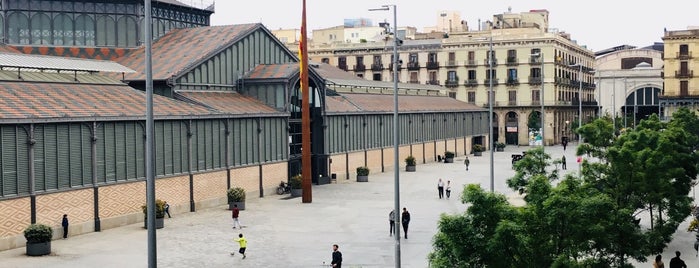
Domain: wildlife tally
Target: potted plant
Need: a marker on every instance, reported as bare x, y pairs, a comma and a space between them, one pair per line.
159, 214
362, 174
448, 157
409, 164
295, 183
478, 150
236, 196
38, 239
500, 146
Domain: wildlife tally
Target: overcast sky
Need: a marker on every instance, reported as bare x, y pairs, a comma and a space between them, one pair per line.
595, 23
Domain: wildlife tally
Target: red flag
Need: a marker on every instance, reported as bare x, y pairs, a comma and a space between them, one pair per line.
305, 113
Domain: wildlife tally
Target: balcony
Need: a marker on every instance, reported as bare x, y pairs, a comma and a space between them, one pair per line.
471, 63
359, 68
512, 82
452, 64
684, 55
400, 66
414, 81
684, 74
432, 65
535, 60
512, 61
495, 82
495, 62
432, 82
342, 66
376, 67
471, 83
535, 80
451, 83
413, 66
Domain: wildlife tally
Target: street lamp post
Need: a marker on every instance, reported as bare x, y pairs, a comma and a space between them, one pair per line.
541, 99
580, 118
491, 98
396, 181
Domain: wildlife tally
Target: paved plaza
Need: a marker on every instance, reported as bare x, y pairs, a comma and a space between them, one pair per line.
283, 232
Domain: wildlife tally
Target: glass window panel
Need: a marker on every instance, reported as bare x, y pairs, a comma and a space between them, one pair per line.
84, 31
106, 31
41, 29
18, 28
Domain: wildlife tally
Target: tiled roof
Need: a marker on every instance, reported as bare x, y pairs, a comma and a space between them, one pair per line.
356, 102
21, 100
102, 53
181, 49
227, 102
8, 49
272, 71
60, 63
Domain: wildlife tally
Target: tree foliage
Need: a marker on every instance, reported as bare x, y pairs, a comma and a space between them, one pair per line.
588, 220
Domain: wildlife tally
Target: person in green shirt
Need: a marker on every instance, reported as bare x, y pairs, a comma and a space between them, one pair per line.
243, 244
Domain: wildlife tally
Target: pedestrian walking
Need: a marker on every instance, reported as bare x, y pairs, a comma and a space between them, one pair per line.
167, 209
235, 214
565, 144
563, 162
448, 189
243, 245
64, 224
658, 262
676, 262
440, 188
392, 222
405, 220
467, 162
337, 257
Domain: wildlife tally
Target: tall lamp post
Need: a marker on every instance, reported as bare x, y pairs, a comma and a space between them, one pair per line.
579, 65
491, 98
541, 99
396, 181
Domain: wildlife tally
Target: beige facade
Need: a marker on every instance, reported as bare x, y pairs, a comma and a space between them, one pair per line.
681, 86
629, 80
287, 36
447, 21
527, 58
329, 35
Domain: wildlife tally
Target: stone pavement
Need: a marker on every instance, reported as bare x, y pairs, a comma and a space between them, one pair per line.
283, 232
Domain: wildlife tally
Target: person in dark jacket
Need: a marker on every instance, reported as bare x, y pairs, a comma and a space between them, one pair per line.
676, 262
64, 223
337, 257
405, 220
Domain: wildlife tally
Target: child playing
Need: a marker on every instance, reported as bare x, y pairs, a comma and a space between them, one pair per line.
243, 244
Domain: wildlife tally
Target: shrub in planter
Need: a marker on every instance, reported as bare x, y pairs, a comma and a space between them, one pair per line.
410, 163
362, 174
38, 239
478, 149
295, 184
236, 196
448, 157
500, 146
159, 214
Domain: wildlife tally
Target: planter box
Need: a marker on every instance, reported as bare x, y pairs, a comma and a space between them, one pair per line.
296, 192
159, 223
39, 249
241, 205
449, 160
362, 178
478, 153
500, 149
323, 180
410, 168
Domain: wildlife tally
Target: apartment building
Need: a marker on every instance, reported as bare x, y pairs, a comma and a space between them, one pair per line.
527, 59
681, 87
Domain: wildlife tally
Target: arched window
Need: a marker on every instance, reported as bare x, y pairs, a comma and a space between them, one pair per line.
127, 31
84, 31
62, 30
41, 29
106, 31
18, 28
